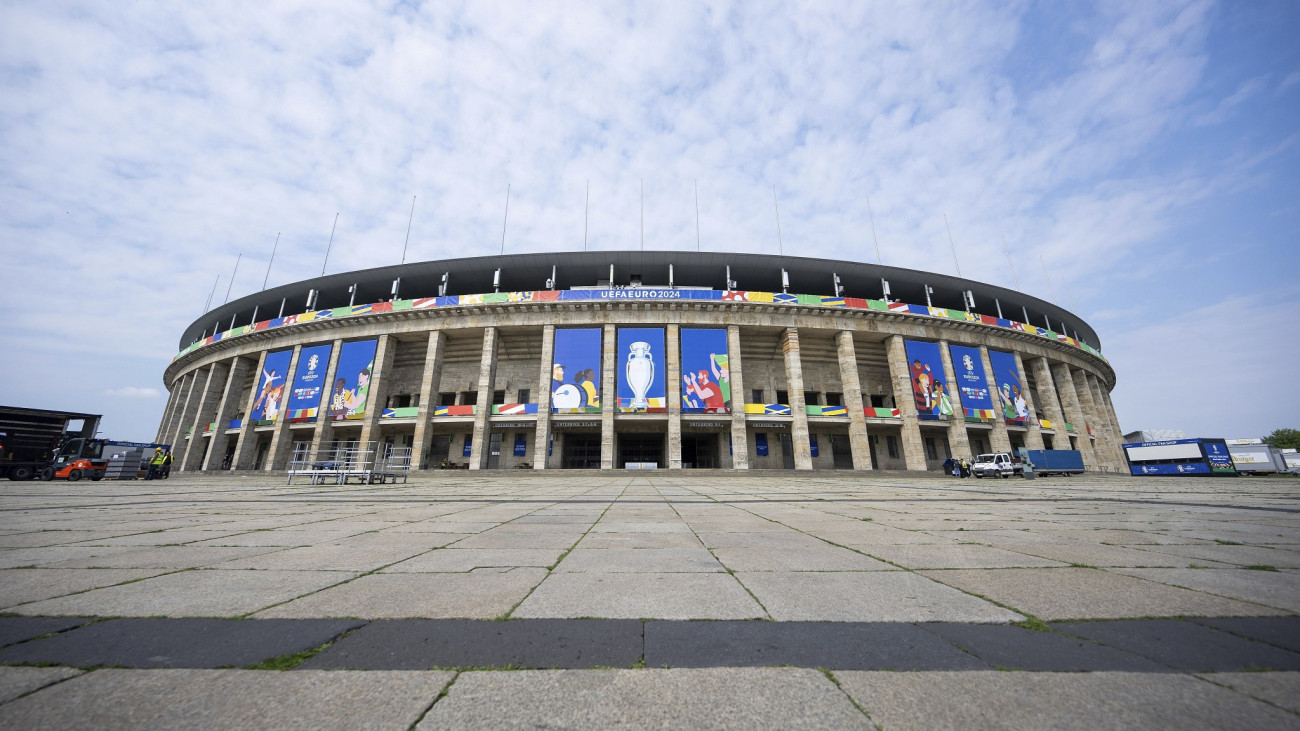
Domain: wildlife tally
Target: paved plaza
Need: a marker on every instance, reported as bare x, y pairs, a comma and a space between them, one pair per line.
700, 599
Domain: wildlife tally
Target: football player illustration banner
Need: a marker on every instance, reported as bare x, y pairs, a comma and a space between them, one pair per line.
706, 379
1009, 387
271, 386
352, 377
925, 372
575, 370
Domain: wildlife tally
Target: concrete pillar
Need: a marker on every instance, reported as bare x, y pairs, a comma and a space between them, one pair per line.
324, 431
173, 396
1033, 432
487, 372
798, 412
998, 439
852, 386
1090, 430
175, 439
739, 433
214, 386
1074, 412
542, 432
278, 455
377, 396
1049, 406
608, 394
958, 440
429, 381
180, 389
230, 403
1109, 423
1108, 442
244, 448
899, 376
673, 381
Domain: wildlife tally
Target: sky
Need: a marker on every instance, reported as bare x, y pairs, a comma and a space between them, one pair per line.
1136, 162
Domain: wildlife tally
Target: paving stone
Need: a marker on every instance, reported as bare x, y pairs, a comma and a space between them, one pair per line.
519, 538
634, 596
1281, 688
788, 540
419, 644
178, 643
640, 540
685, 698
1079, 593
848, 645
18, 629
639, 560
1237, 555
326, 558
396, 596
205, 593
390, 538
169, 699
1085, 701
825, 558
867, 596
1089, 554
15, 682
945, 556
460, 560
46, 555
18, 586
37, 539
165, 557
1016, 648
1186, 646
1274, 588
1282, 632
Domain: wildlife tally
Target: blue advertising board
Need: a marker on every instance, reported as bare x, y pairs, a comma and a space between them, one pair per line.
270, 386
1009, 386
706, 376
760, 444
521, 445
640, 369
352, 380
1187, 468
925, 373
972, 382
309, 381
1216, 453
575, 370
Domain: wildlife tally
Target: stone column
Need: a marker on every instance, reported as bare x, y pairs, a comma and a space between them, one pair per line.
852, 386
244, 448
1033, 432
794, 382
1107, 415
214, 387
608, 394
180, 388
999, 440
673, 380
230, 404
958, 439
173, 395
1091, 430
739, 433
182, 415
542, 432
1048, 403
377, 396
1073, 411
324, 431
429, 382
900, 376
487, 373
278, 454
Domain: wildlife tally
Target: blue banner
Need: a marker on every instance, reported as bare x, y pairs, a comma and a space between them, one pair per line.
352, 380
968, 370
270, 386
469, 446
1189, 468
925, 372
640, 293
640, 368
812, 445
309, 380
521, 445
706, 375
1009, 386
1216, 453
575, 370
760, 444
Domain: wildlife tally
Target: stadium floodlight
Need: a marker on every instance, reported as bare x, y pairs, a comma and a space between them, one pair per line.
884, 289
397, 285
785, 281
838, 288
496, 281
731, 283
550, 283
928, 291
352, 295
442, 288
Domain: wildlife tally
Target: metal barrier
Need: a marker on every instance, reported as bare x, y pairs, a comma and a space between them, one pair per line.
369, 462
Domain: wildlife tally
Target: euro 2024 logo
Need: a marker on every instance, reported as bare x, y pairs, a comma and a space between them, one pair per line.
967, 363
312, 362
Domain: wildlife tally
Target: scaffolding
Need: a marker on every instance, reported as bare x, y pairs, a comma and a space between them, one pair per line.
369, 462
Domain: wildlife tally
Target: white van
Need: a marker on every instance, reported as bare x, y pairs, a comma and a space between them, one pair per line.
994, 465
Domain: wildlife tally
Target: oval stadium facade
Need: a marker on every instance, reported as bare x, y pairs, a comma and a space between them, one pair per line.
620, 360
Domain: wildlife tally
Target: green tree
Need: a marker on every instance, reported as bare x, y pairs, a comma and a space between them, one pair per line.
1284, 438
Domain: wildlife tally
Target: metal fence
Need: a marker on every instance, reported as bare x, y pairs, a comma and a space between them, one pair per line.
369, 462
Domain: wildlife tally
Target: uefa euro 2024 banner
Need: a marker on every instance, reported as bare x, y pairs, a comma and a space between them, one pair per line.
270, 386
925, 371
575, 370
1010, 386
352, 380
640, 368
968, 371
309, 381
706, 378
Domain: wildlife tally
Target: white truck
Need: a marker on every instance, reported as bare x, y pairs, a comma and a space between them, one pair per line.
999, 464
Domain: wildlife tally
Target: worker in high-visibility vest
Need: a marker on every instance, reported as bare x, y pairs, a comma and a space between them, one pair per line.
155, 464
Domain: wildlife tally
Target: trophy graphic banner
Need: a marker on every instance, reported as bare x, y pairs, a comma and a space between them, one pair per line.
641, 385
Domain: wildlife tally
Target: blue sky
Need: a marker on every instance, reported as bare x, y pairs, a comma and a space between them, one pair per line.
1147, 152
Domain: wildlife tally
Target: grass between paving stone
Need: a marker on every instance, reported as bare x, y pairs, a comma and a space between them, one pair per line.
1260, 567
836, 682
1226, 543
441, 694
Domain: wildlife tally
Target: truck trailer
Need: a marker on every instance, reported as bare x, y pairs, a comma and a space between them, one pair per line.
33, 440
1254, 457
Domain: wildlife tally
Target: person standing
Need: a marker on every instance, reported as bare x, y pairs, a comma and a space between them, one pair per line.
167, 464
155, 464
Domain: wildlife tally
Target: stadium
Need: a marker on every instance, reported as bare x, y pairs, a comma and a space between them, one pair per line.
629, 359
